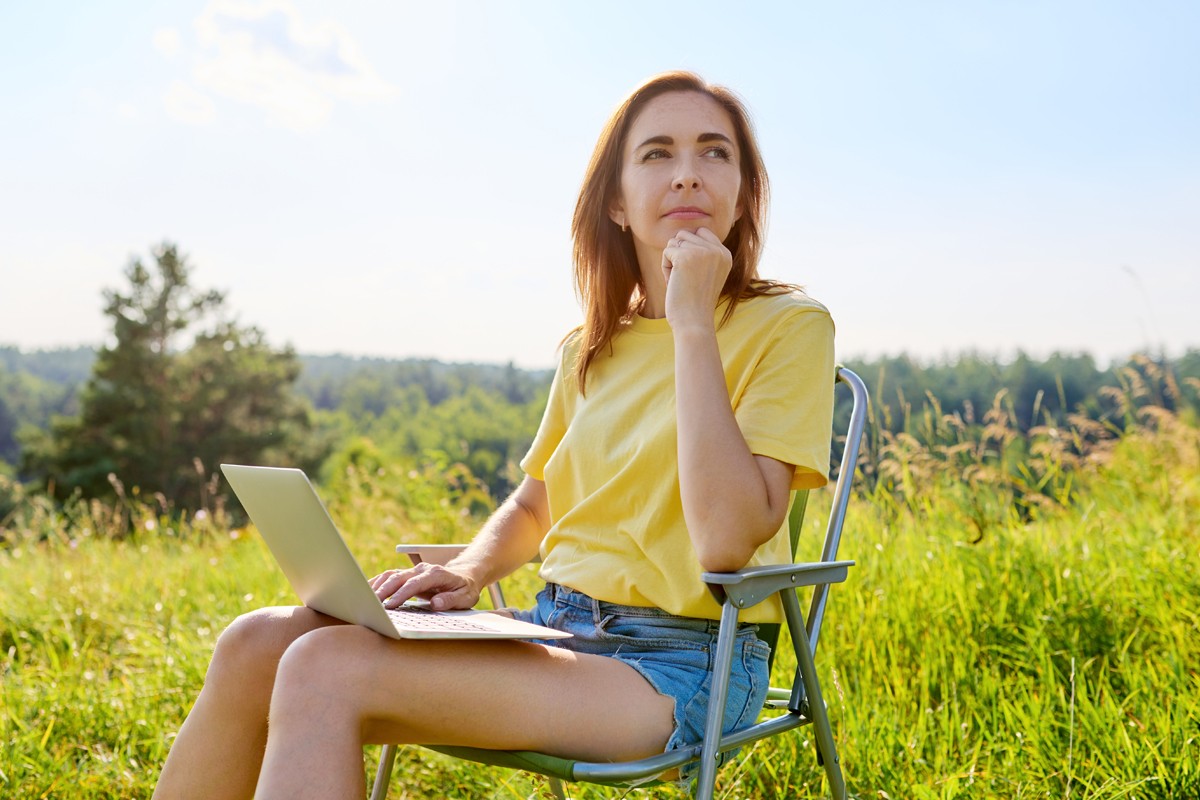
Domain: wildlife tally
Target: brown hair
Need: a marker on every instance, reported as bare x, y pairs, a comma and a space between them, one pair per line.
607, 276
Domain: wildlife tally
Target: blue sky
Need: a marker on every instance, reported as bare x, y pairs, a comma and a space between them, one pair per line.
397, 179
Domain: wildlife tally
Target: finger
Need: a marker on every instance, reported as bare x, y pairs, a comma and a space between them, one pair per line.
462, 597
389, 582
388, 587
426, 584
380, 578
387, 574
672, 253
687, 243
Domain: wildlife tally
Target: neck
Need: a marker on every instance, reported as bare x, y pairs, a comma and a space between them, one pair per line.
655, 285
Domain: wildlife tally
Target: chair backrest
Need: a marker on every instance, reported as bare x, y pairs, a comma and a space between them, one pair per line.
769, 633
841, 495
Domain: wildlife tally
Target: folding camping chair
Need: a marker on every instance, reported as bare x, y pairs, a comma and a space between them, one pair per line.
800, 704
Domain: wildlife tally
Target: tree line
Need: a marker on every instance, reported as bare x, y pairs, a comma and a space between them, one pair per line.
180, 387
1037, 392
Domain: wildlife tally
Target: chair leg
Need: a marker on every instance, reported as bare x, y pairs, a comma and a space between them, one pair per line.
826, 748
706, 783
383, 775
556, 788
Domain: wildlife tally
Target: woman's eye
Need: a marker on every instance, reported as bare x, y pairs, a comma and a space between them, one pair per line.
721, 153
653, 155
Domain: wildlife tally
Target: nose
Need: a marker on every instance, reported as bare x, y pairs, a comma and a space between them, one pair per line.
686, 174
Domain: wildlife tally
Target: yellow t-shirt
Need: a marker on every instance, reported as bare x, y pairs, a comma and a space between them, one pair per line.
609, 458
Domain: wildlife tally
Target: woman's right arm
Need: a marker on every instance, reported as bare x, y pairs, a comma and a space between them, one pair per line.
509, 539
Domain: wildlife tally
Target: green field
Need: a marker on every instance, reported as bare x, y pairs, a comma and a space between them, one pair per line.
975, 652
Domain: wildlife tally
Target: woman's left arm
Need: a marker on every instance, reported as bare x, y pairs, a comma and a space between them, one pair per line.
733, 500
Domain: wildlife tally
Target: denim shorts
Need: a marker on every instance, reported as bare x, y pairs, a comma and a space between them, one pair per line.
675, 654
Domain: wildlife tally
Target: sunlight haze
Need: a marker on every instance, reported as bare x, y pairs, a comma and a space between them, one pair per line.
397, 179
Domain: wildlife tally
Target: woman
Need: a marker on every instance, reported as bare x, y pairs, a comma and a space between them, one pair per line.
691, 401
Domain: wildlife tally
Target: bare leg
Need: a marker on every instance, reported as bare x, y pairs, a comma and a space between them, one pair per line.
218, 751
340, 687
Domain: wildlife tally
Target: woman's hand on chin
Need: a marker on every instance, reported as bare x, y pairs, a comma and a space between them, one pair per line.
695, 267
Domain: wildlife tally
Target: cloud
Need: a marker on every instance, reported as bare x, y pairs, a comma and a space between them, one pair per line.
264, 54
167, 41
184, 104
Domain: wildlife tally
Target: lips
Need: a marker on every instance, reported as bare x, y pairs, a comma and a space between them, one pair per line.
686, 212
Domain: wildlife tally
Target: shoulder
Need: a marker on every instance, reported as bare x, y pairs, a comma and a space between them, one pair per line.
570, 344
568, 356
783, 308
783, 324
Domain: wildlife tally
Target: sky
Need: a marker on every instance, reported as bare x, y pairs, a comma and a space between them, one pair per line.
396, 179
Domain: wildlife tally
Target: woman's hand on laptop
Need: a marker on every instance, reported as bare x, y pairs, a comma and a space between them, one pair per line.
444, 588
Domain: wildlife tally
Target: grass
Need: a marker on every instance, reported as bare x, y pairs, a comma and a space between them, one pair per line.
1053, 653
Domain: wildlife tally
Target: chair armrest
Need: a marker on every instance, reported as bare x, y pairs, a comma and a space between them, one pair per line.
749, 587
430, 553
438, 553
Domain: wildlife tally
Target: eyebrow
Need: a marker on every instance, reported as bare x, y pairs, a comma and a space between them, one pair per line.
702, 139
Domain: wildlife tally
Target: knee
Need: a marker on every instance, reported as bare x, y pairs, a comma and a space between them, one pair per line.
325, 663
327, 655
249, 649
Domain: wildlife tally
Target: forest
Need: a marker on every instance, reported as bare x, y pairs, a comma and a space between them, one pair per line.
482, 416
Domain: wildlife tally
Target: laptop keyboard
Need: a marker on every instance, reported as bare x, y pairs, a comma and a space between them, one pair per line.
410, 619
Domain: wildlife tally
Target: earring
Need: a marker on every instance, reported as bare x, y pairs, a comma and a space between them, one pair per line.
623, 225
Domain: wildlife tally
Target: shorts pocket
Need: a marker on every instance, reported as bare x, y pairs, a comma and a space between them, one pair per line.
755, 655
748, 684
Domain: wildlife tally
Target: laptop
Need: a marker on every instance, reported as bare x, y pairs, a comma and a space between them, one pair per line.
285, 508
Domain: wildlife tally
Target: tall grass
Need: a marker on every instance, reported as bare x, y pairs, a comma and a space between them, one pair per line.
1023, 622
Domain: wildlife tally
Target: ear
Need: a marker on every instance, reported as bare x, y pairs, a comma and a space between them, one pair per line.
616, 212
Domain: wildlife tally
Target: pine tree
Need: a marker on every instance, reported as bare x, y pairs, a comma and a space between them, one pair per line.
180, 389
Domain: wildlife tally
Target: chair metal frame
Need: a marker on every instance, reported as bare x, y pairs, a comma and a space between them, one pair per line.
802, 703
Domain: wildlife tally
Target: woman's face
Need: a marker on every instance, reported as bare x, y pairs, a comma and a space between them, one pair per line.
679, 171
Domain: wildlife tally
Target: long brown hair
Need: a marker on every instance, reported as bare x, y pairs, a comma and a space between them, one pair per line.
607, 276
